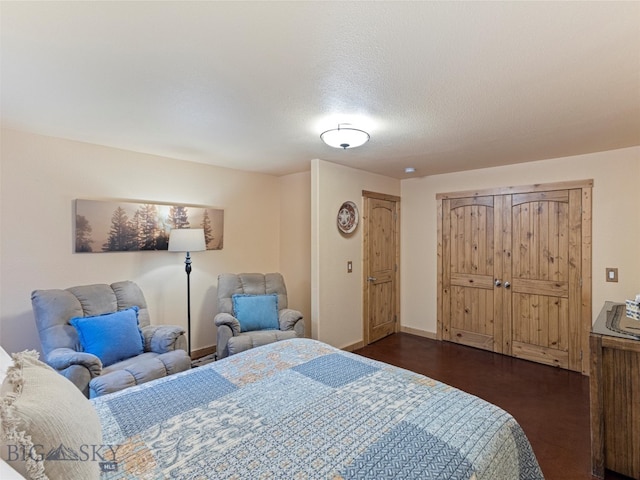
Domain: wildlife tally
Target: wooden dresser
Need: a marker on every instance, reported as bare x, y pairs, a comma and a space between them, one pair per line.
615, 394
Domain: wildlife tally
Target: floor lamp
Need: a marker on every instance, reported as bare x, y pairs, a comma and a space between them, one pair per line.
187, 240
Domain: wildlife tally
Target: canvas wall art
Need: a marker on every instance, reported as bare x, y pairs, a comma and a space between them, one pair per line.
117, 226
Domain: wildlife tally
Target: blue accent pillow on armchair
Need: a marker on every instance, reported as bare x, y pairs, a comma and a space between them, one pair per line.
256, 312
111, 337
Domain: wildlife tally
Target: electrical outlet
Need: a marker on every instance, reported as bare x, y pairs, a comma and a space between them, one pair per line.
612, 274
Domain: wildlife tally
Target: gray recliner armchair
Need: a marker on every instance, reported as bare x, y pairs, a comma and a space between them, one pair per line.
231, 338
164, 345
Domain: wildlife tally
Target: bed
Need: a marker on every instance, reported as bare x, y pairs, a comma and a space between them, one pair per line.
301, 409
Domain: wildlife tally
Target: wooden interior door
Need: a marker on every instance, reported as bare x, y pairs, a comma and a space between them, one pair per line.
470, 301
545, 277
515, 271
381, 251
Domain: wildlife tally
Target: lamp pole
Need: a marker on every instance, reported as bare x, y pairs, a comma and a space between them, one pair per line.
187, 268
187, 240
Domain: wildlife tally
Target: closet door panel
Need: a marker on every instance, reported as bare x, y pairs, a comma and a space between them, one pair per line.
545, 270
468, 278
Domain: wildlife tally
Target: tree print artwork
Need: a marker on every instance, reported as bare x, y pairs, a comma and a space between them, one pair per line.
111, 226
83, 234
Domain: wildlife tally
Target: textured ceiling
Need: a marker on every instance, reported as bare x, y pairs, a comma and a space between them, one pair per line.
440, 86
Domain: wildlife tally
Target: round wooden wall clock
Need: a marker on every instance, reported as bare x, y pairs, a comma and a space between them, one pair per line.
347, 217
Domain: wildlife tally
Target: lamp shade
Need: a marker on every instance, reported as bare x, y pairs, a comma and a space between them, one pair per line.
187, 240
344, 137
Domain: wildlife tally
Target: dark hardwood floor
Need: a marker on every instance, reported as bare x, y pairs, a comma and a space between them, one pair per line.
551, 404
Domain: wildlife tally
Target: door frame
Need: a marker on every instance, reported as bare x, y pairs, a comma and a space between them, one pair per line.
586, 250
367, 195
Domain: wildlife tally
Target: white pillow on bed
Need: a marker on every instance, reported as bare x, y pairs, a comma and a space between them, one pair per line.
8, 473
5, 362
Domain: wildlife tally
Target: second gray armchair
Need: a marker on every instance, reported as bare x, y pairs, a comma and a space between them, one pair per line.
265, 292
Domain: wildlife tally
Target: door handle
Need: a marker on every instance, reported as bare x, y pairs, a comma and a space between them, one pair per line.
371, 279
507, 284
497, 283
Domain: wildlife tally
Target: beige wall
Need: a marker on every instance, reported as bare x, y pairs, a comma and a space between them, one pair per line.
295, 242
42, 176
336, 303
616, 224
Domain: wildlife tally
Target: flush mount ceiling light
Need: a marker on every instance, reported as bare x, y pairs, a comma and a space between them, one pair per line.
344, 137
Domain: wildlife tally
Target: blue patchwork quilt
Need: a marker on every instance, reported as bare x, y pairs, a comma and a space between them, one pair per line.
300, 409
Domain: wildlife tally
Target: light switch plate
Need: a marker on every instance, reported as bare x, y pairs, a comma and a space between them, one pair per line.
349, 266
612, 274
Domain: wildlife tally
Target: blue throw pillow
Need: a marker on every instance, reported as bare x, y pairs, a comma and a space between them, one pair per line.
256, 312
111, 337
